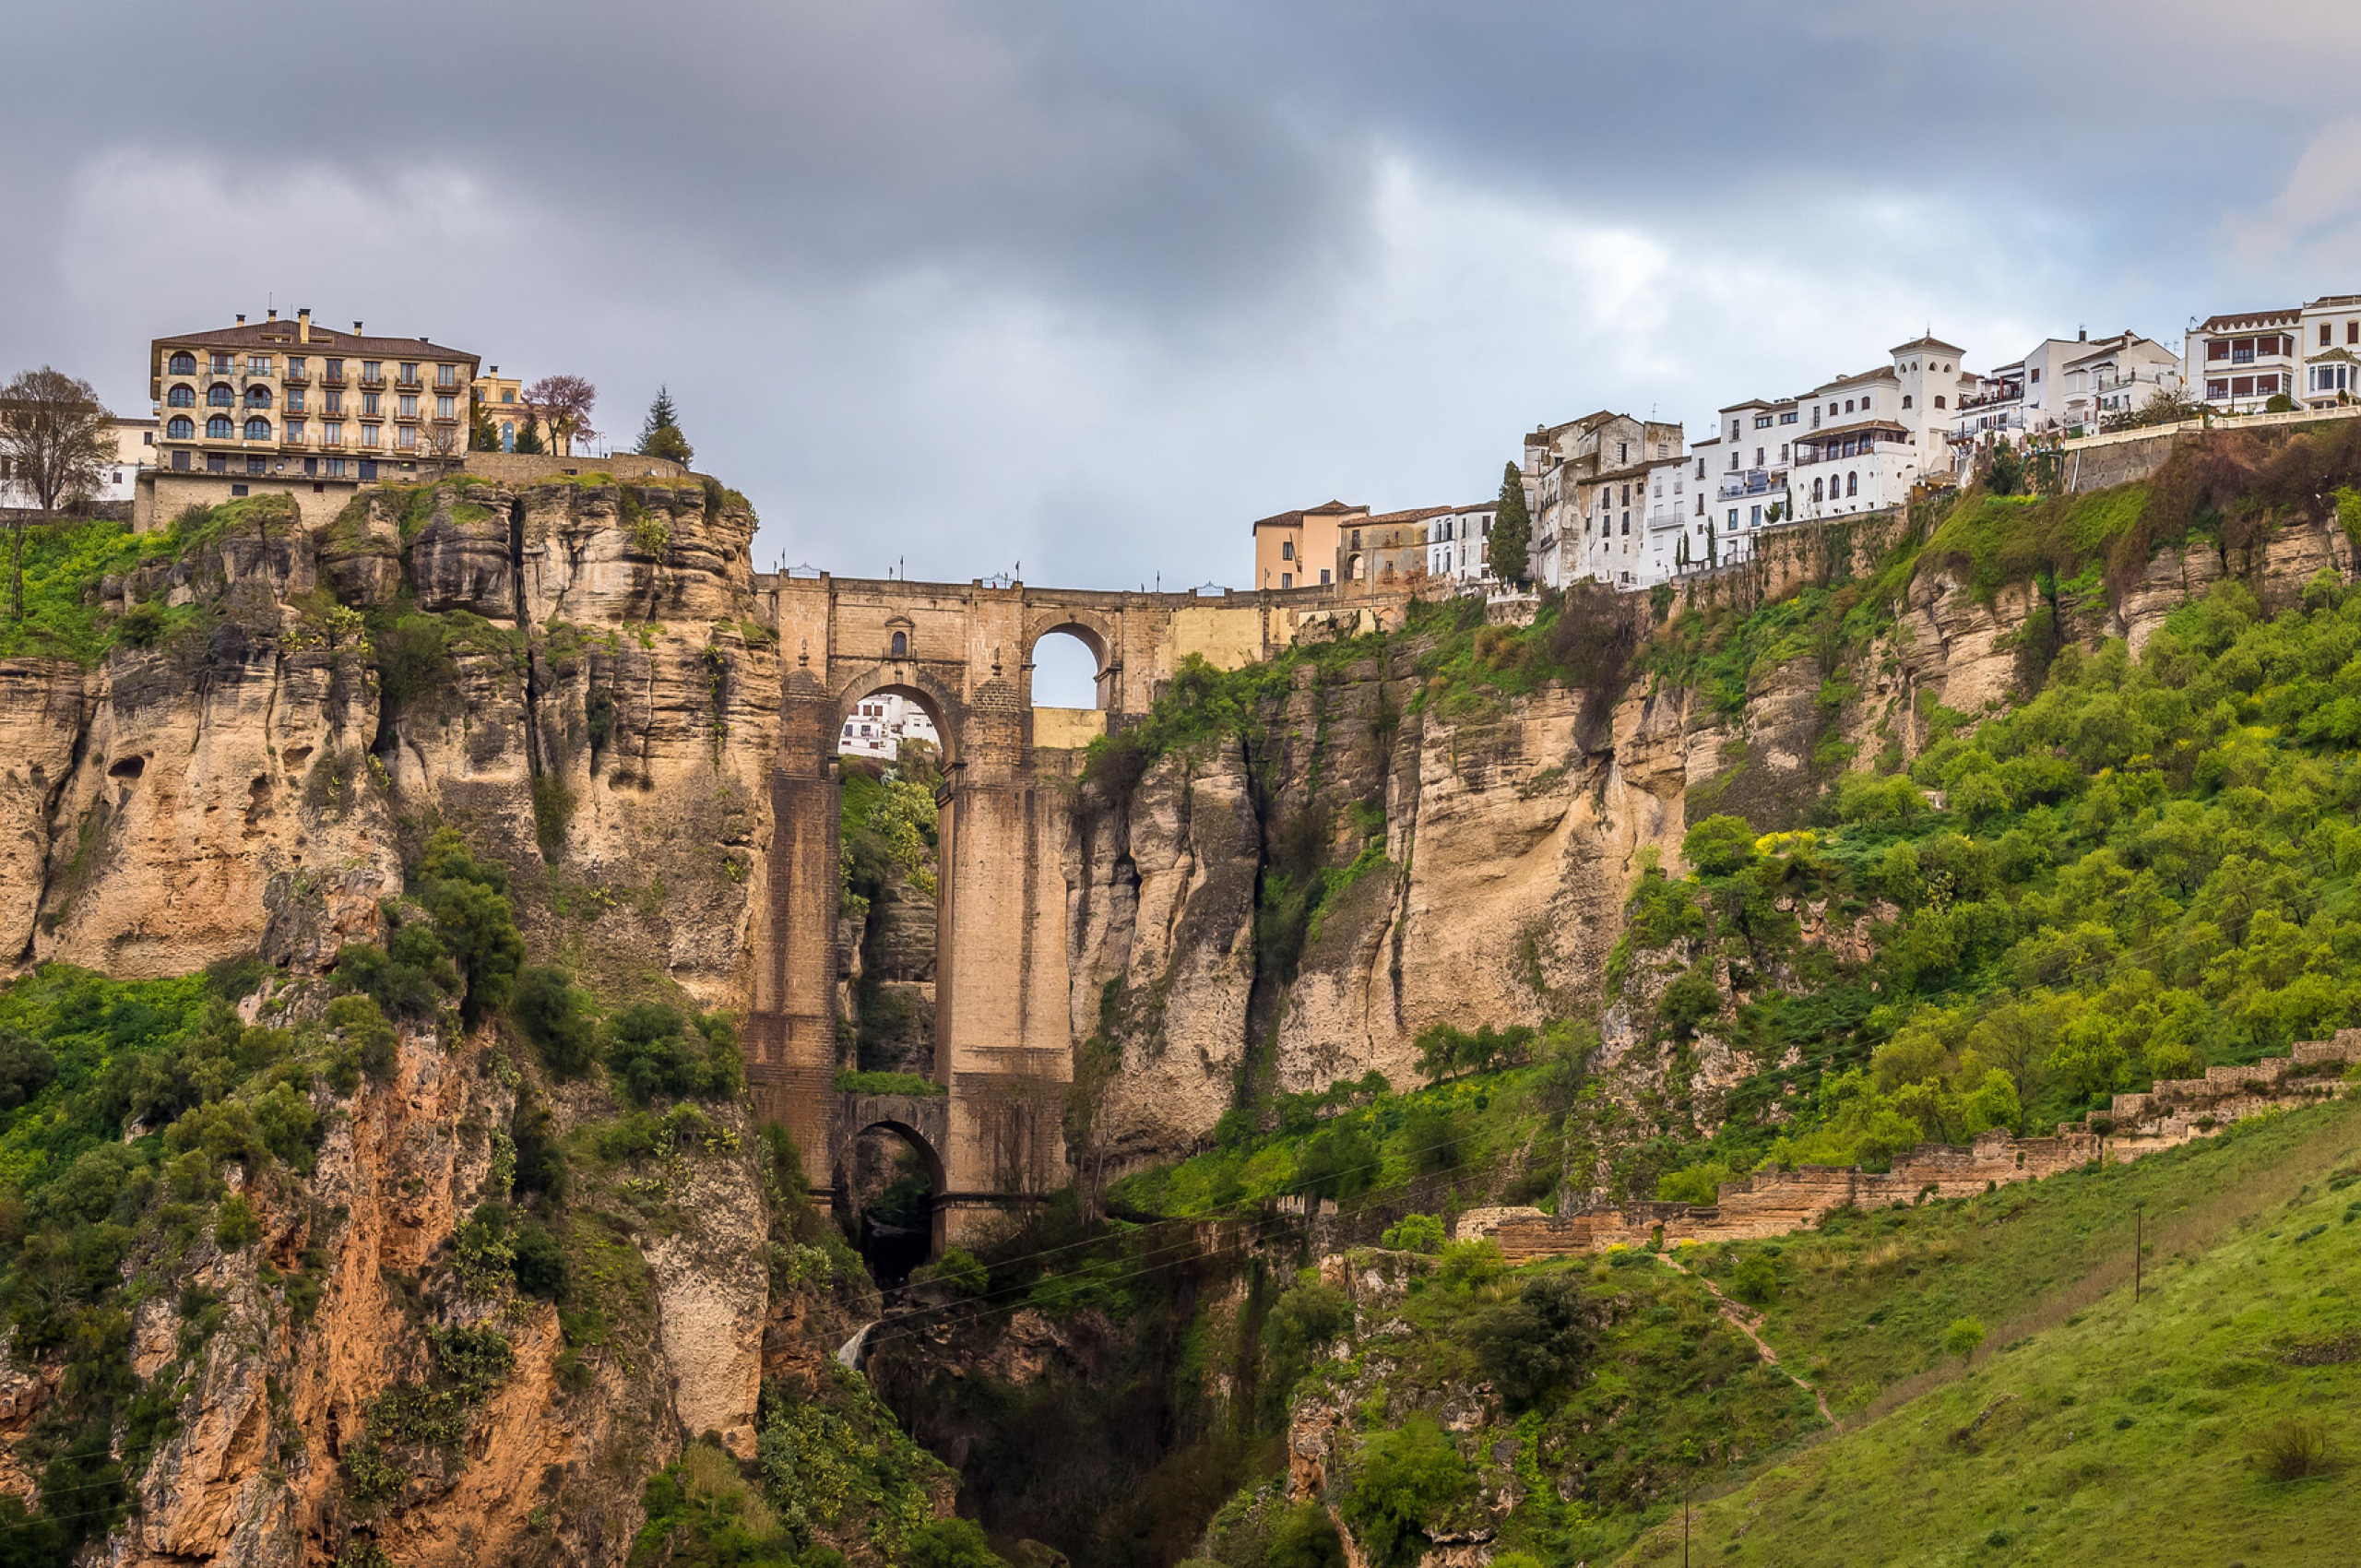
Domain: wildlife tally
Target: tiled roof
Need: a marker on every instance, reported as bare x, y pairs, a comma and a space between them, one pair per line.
1927, 343
1415, 515
281, 334
2240, 320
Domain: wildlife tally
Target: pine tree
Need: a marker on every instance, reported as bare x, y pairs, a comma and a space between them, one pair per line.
528, 435
1512, 532
660, 437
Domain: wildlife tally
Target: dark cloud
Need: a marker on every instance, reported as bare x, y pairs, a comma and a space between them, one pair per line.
1088, 285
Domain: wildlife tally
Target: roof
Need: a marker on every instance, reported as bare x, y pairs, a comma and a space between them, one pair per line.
1882, 373
1415, 515
1852, 427
281, 334
2337, 300
1760, 403
1295, 520
1927, 343
2240, 320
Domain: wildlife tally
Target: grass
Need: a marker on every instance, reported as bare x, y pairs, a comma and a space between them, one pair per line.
1994, 541
1865, 1299
2216, 1421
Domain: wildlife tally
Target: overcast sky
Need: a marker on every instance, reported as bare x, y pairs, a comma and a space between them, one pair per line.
1091, 286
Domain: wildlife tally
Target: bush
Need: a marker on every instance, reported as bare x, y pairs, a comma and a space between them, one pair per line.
410, 977
548, 1010
1414, 1234
1963, 1336
1718, 846
948, 1543
1537, 1342
539, 1263
958, 1269
1305, 1538
237, 1226
1690, 1001
2293, 1449
1408, 1478
26, 1068
1467, 1265
1757, 1281
478, 925
654, 1051
367, 1036
1698, 1185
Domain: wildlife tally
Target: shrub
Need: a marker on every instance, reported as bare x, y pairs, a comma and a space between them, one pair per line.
1537, 1342
1698, 1185
653, 1051
1408, 1478
1757, 1282
237, 1226
2293, 1449
1963, 1336
958, 1269
539, 1263
1414, 1234
367, 1036
948, 1543
1305, 1538
26, 1068
1467, 1265
550, 1010
1718, 846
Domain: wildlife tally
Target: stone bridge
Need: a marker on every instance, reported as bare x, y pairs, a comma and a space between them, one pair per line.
1003, 1037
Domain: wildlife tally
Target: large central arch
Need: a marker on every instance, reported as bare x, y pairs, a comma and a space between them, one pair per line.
1005, 1034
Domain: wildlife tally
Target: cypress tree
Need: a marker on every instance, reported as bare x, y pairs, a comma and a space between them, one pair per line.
528, 434
1512, 531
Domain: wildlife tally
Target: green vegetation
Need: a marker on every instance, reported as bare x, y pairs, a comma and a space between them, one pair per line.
851, 1082
887, 826
2211, 1422
1512, 535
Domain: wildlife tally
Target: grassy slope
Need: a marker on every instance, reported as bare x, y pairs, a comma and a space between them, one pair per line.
2125, 1434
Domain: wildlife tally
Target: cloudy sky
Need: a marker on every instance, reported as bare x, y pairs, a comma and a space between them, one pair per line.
1090, 286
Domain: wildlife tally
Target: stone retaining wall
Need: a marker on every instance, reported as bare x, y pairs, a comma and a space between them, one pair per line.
1774, 1203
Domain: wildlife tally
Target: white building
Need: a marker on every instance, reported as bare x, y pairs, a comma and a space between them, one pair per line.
2239, 362
2331, 336
878, 725
1738, 477
1592, 477
1863, 440
2113, 377
1459, 545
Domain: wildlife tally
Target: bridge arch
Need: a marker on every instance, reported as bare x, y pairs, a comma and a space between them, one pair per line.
1097, 636
902, 678
890, 1178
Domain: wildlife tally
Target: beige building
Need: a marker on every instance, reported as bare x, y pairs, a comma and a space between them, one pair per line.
1300, 549
294, 408
1388, 548
502, 398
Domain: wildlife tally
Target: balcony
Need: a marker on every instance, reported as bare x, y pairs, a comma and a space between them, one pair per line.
298, 378
335, 379
1751, 481
373, 384
411, 384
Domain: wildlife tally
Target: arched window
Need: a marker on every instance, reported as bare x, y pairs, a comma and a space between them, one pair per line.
1853, 484
257, 430
508, 435
1938, 400
182, 396
1906, 400
219, 428
901, 644
257, 397
220, 396
181, 429
183, 364
1815, 490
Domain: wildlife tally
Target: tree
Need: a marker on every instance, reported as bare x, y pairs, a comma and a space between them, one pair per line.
1719, 845
1409, 1478
2004, 473
528, 435
564, 404
56, 436
660, 437
1512, 531
482, 435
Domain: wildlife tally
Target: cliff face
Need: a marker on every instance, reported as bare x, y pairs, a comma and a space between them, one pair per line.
1480, 851
578, 685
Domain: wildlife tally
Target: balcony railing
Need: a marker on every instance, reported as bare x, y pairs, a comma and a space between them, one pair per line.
1751, 481
298, 378
335, 379
373, 383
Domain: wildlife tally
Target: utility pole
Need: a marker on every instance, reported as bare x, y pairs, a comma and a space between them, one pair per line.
2139, 1245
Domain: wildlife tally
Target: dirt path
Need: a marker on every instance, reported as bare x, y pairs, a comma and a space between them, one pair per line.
1744, 1320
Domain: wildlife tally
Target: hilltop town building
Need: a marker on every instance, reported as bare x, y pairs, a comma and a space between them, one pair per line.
135, 443
1863, 440
1592, 477
291, 407
1459, 545
2238, 363
1298, 549
878, 725
501, 398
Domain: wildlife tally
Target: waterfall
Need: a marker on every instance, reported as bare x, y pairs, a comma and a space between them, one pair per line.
848, 1354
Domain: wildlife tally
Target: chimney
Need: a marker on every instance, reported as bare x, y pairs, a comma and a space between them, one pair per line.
242, 318
274, 313
356, 329
2081, 334
304, 325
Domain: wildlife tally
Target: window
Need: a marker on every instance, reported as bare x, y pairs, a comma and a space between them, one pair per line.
181, 429
406, 406
2328, 335
373, 369
2217, 389
1853, 484
1286, 579
410, 374
1622, 451
332, 433
336, 403
183, 364
1758, 457
1939, 399
1627, 524
1815, 490
332, 369
294, 430
1732, 517
1848, 404
370, 405
1867, 403
2265, 385
257, 397
1783, 451
257, 430
369, 434
1757, 518
224, 364
257, 365
2219, 349
219, 428
1906, 400
1763, 421
901, 647
218, 395
2033, 376
1286, 550
1700, 503
1787, 418
180, 461
405, 436
295, 365
215, 463
2242, 386
335, 467
294, 400
1323, 576
508, 395
443, 408
253, 466
446, 376
310, 471
1701, 468
237, 490
1627, 495
508, 435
